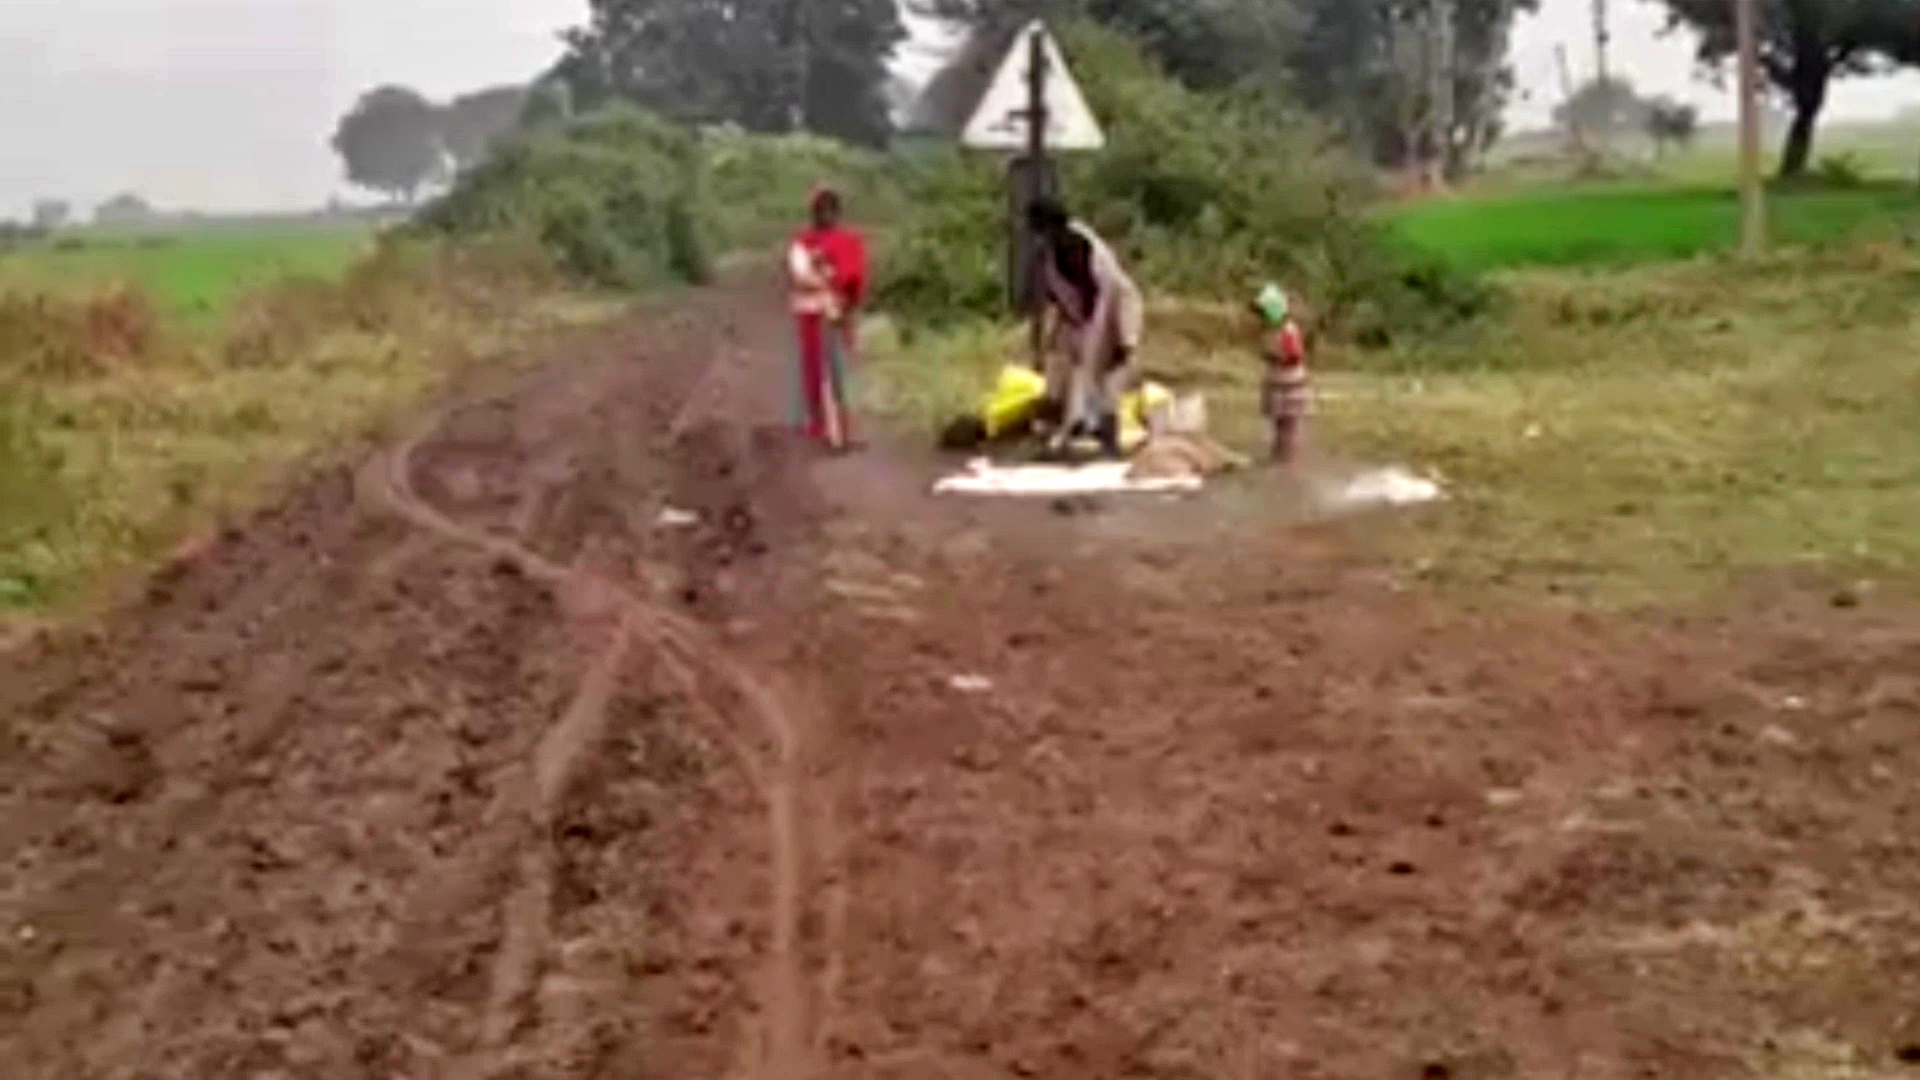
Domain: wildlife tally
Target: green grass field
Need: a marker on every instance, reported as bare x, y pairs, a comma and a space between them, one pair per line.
1617, 225
191, 273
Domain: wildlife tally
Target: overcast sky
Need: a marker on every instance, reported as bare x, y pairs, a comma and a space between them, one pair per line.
227, 104
1656, 63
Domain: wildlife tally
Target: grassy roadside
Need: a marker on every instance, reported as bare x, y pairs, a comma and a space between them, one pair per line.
151, 382
1637, 435
1618, 436
123, 429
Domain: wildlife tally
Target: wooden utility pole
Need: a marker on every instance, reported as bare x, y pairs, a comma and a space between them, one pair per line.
1575, 131
1603, 72
1444, 103
1602, 39
1753, 206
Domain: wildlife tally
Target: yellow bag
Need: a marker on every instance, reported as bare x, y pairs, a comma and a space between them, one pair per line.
1014, 398
1020, 389
1135, 410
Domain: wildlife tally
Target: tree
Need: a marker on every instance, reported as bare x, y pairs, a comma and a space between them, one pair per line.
391, 142
471, 124
550, 101
1602, 107
1372, 66
52, 214
1205, 44
1671, 123
123, 209
767, 65
1804, 46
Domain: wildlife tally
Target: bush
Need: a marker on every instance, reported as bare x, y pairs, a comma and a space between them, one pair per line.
617, 197
1844, 172
1205, 194
30, 489
948, 259
624, 199
759, 183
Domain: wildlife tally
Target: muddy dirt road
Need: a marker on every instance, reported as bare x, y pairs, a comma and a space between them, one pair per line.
467, 762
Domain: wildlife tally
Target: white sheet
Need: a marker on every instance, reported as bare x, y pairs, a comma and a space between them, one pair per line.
1392, 486
983, 477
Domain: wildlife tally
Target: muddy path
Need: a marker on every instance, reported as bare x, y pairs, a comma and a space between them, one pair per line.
386, 783
594, 729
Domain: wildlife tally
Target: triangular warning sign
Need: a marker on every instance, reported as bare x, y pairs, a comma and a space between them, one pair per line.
1000, 121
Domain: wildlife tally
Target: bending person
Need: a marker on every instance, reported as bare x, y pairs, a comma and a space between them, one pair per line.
1094, 316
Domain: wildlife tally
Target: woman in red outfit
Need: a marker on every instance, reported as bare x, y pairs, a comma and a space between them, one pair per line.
827, 272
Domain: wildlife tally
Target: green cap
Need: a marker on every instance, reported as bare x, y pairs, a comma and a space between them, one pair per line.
1272, 303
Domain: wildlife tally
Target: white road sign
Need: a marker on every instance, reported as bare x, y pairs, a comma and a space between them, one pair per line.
1000, 123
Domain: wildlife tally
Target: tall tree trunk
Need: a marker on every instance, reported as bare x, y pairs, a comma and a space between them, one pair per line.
1799, 147
1809, 89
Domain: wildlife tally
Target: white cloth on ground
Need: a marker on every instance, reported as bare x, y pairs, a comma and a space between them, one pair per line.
983, 477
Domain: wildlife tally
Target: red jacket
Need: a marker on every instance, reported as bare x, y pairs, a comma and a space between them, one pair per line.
1288, 347
842, 254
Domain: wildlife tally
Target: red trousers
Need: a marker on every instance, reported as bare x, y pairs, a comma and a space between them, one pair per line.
824, 349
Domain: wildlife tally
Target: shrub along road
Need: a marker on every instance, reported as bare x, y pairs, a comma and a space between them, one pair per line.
460, 764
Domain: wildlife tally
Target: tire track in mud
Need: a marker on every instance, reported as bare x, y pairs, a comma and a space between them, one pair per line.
703, 670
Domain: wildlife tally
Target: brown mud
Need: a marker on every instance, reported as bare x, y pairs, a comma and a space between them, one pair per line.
475, 761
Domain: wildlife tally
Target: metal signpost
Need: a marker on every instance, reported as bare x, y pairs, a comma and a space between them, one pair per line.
1035, 187
1032, 109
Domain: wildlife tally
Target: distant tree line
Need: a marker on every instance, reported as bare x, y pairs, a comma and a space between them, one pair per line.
1407, 82
1602, 108
52, 215
1369, 66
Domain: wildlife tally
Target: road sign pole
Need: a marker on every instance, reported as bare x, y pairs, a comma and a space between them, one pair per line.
1031, 110
1035, 188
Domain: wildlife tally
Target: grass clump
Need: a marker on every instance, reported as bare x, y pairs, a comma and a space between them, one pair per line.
62, 336
920, 382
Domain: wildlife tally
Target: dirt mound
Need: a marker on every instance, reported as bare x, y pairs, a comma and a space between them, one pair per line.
598, 730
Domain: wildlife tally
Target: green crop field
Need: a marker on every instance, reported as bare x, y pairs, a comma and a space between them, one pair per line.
1622, 225
192, 273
